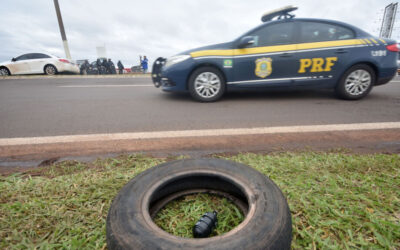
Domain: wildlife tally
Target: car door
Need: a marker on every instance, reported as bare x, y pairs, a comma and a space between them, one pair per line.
37, 62
269, 59
323, 51
20, 65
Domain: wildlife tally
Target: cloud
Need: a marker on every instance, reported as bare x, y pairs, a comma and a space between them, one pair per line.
154, 27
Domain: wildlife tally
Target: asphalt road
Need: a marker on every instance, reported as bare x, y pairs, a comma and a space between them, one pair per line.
47, 107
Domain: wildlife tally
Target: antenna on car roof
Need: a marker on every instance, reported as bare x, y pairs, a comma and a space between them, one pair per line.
282, 13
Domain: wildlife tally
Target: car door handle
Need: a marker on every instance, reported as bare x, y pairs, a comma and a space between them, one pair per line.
286, 55
341, 51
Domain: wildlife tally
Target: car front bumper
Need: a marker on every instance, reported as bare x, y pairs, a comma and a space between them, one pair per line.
156, 72
172, 78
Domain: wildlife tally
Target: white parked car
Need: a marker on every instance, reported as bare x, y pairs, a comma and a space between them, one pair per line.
37, 63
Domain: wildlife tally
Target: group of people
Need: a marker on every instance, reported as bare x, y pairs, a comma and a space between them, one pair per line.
104, 66
101, 66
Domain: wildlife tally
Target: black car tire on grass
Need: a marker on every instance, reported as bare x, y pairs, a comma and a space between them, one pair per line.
267, 224
341, 90
192, 84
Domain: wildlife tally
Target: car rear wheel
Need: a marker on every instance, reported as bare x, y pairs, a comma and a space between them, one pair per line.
206, 84
4, 72
356, 82
50, 70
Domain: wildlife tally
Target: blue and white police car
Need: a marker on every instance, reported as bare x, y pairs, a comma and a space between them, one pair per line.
283, 52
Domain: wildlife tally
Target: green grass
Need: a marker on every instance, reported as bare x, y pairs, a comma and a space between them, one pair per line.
179, 216
337, 200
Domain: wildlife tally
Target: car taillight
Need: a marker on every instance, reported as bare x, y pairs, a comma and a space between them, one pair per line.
393, 47
64, 60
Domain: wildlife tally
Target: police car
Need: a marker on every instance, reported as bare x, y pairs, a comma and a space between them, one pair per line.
283, 52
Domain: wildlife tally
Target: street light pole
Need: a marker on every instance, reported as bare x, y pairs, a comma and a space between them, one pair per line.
61, 25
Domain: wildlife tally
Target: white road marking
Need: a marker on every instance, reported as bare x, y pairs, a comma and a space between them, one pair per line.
106, 86
147, 85
197, 133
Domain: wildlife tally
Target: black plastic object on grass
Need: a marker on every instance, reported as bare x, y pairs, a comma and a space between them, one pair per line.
205, 225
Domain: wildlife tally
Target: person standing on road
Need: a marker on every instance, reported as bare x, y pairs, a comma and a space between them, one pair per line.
144, 64
85, 67
120, 67
106, 66
99, 66
111, 66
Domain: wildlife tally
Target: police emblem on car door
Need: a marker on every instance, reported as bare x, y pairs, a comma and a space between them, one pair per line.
263, 67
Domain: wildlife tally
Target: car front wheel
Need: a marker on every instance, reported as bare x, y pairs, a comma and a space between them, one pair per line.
356, 82
206, 84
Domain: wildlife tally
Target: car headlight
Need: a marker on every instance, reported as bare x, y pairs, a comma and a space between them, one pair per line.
176, 59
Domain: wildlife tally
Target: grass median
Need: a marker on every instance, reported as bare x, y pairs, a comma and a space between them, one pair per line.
337, 200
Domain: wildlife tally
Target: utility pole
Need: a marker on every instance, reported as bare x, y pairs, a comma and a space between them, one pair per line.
61, 25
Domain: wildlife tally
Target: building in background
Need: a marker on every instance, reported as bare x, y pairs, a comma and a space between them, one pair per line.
101, 52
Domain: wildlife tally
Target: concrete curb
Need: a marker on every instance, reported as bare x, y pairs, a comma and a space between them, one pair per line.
197, 133
366, 141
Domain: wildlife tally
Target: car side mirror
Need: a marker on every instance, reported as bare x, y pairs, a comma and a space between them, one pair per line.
246, 41
13, 59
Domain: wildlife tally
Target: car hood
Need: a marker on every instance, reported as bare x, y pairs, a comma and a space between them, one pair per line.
209, 47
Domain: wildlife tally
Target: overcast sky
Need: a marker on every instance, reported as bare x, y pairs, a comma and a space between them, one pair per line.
129, 28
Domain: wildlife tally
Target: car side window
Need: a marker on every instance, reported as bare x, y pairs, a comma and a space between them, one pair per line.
38, 56
274, 34
23, 57
319, 32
